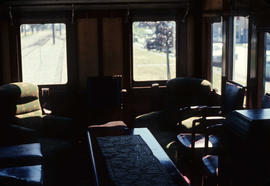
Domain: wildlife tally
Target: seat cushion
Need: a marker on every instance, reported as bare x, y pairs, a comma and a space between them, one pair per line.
19, 155
26, 175
210, 162
185, 140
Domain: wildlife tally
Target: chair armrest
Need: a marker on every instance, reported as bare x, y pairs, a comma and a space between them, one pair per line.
13, 135
46, 111
211, 111
215, 129
57, 127
207, 121
190, 111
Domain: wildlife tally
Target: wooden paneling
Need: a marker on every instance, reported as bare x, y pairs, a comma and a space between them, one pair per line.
213, 5
87, 49
112, 46
190, 47
5, 74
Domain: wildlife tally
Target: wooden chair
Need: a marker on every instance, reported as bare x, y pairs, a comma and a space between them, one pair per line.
210, 162
206, 140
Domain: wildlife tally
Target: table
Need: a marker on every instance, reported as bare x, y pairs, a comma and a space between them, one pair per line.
98, 165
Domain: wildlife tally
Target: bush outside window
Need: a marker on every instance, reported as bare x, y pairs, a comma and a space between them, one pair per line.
154, 50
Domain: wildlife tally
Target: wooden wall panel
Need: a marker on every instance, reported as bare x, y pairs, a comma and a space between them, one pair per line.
5, 72
112, 46
213, 5
87, 49
190, 47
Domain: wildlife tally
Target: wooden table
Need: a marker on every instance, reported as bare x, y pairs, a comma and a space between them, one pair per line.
98, 166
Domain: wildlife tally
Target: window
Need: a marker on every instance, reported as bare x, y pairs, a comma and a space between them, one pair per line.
240, 50
43, 53
267, 64
154, 53
216, 55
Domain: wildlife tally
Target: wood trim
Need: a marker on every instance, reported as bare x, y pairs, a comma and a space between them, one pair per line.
181, 66
126, 51
100, 46
207, 50
14, 55
198, 39
252, 67
260, 68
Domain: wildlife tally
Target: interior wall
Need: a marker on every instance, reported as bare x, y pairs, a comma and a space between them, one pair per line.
87, 50
190, 46
5, 73
112, 46
213, 5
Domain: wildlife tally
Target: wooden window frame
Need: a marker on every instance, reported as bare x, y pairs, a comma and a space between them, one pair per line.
144, 16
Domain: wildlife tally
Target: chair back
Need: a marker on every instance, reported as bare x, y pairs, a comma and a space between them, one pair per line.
188, 91
233, 97
19, 100
104, 91
266, 101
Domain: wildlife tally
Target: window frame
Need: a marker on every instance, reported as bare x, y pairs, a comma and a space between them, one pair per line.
264, 61
154, 17
46, 20
211, 22
231, 63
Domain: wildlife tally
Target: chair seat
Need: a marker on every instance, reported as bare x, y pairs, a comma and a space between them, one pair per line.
26, 175
186, 140
210, 162
19, 155
110, 124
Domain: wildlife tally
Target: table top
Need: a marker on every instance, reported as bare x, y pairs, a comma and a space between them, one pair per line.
255, 114
98, 163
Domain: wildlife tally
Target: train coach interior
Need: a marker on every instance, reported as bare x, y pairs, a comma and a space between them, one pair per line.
195, 73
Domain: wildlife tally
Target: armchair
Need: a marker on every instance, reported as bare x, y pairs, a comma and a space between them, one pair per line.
210, 161
184, 94
21, 107
232, 99
20, 164
206, 140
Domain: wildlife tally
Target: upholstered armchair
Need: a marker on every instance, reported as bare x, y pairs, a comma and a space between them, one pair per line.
185, 98
21, 107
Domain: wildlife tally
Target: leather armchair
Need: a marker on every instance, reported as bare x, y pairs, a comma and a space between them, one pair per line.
21, 165
22, 176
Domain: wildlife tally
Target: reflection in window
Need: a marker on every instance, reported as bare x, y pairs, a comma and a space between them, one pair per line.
216, 55
240, 50
267, 64
43, 52
154, 50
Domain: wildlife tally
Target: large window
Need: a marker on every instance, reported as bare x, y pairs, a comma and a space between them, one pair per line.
267, 64
216, 55
43, 53
154, 51
240, 50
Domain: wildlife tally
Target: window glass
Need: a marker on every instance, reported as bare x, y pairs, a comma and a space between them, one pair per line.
240, 50
267, 64
216, 55
154, 50
43, 53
